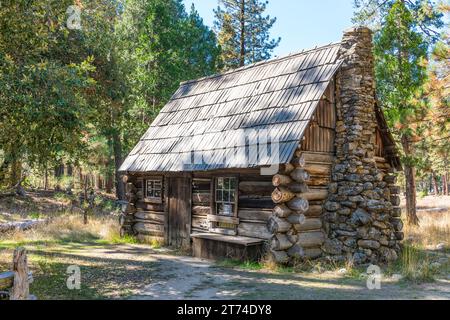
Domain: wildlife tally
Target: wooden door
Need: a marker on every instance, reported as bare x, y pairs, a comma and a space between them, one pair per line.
179, 212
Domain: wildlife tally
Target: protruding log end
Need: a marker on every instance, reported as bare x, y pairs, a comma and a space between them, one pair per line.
297, 187
281, 194
282, 211
281, 180
279, 257
277, 225
300, 175
280, 242
298, 204
297, 219
299, 161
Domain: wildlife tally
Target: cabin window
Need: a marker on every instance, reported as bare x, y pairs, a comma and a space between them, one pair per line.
153, 189
226, 195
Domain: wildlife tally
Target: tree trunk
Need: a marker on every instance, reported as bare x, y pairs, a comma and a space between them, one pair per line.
444, 185
109, 169
16, 172
242, 36
117, 146
85, 192
109, 183
411, 212
59, 172
435, 185
69, 170
4, 169
45, 179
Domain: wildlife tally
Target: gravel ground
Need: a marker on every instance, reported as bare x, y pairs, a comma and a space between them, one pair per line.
180, 277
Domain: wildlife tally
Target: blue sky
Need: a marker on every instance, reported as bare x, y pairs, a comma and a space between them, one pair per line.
301, 24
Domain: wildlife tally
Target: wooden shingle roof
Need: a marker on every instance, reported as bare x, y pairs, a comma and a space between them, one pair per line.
208, 116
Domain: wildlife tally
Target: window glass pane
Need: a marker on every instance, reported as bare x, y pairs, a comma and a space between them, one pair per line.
220, 183
219, 195
227, 209
233, 183
226, 196
154, 188
150, 188
226, 184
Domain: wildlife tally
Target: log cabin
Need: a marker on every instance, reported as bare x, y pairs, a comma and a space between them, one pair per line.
289, 158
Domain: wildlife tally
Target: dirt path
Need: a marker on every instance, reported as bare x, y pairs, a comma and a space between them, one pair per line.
180, 277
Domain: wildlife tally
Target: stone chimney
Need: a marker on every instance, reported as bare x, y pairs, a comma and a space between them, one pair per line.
358, 209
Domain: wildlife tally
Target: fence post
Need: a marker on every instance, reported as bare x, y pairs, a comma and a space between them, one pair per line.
20, 289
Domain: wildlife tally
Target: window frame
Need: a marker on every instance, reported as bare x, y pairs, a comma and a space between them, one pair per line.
229, 190
216, 218
154, 199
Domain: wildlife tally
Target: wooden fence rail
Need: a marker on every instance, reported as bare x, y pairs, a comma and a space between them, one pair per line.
14, 285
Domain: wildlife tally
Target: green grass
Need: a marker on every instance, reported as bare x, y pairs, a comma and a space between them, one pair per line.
415, 265
63, 197
246, 265
51, 280
35, 215
127, 239
102, 277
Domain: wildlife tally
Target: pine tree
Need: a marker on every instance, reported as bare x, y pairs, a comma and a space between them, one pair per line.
152, 47
404, 33
244, 32
43, 75
436, 143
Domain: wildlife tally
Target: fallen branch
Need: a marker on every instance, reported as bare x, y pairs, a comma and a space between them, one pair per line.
16, 190
21, 225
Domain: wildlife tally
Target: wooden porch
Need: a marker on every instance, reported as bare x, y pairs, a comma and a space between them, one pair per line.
216, 246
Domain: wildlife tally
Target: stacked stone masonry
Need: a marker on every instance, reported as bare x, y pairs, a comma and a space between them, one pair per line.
357, 218
362, 217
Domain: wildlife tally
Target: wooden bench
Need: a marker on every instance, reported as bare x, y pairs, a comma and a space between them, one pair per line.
218, 246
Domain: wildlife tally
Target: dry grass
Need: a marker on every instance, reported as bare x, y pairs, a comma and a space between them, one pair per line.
52, 248
425, 249
434, 229
420, 260
70, 228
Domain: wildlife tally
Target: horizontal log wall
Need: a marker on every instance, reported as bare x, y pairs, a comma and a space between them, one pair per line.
296, 224
302, 188
254, 201
255, 204
201, 203
143, 218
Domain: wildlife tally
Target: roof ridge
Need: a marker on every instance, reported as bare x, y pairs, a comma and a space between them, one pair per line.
264, 62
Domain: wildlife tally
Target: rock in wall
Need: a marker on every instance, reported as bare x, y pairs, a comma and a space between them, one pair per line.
359, 218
